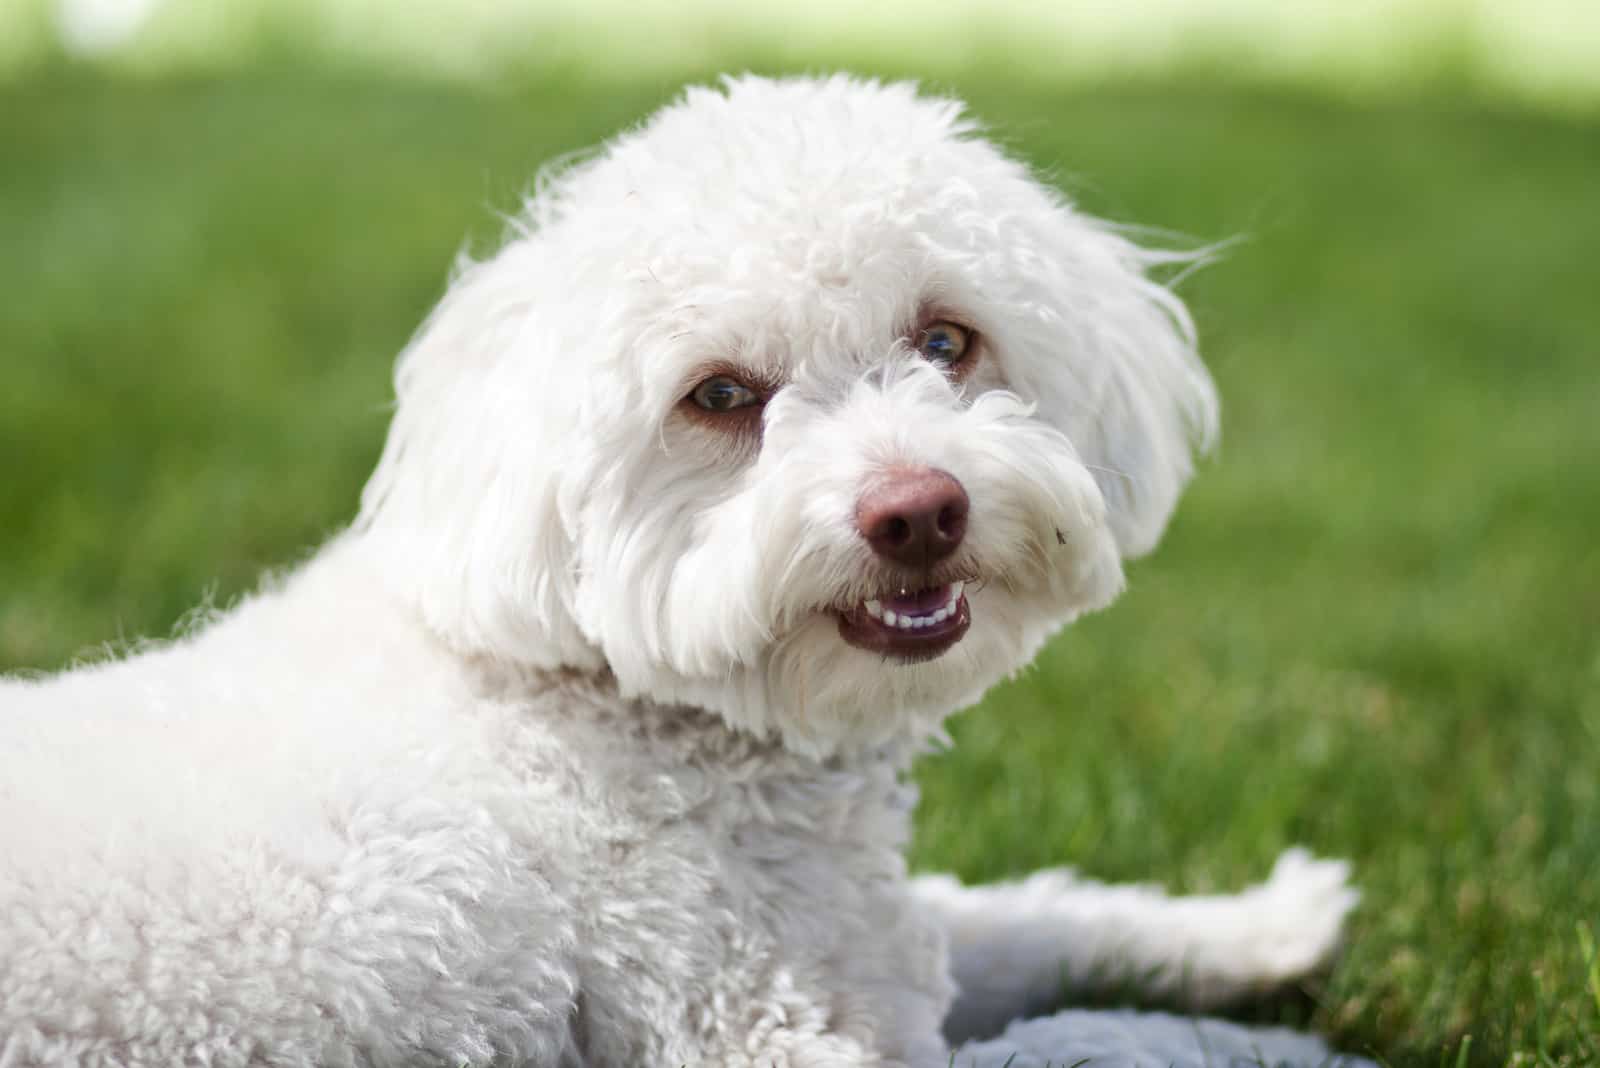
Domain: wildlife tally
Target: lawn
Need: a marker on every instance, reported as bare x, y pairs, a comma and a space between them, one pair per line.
1374, 627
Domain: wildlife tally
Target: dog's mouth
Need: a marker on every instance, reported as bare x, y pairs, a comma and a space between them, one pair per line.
910, 625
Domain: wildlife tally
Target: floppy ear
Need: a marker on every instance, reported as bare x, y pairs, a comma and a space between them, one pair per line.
463, 507
1113, 363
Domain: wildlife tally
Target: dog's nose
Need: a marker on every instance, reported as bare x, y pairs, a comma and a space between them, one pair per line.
913, 515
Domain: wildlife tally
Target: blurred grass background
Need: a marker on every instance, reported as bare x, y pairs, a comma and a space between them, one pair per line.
1375, 625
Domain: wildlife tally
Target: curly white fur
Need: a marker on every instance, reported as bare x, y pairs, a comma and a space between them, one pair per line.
557, 756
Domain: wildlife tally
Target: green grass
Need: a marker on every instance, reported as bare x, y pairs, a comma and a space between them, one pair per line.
1541, 52
1372, 629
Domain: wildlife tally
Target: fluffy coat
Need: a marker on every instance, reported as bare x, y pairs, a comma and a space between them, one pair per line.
556, 756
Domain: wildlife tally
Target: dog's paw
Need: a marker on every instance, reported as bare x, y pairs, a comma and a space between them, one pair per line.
1290, 926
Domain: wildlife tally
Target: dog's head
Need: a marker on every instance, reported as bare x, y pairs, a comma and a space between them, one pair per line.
801, 403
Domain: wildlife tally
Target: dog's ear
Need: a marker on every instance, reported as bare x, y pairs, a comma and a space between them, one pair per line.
1110, 356
463, 508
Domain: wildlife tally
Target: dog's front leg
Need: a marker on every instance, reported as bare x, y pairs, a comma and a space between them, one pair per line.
1019, 948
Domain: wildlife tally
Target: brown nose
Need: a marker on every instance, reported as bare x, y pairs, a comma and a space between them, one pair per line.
913, 515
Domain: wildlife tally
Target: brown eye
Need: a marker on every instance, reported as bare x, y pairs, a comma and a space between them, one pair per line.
723, 394
943, 343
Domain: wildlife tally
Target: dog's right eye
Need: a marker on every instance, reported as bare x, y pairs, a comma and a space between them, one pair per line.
724, 394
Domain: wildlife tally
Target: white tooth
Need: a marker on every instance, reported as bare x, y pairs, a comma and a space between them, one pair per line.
920, 622
955, 591
889, 617
875, 609
906, 623
941, 615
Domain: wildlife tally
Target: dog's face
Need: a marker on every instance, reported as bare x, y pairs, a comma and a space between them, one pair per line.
800, 403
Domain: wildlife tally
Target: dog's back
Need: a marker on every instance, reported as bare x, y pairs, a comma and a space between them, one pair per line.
266, 836
223, 732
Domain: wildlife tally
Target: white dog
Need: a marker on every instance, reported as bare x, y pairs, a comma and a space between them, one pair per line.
780, 429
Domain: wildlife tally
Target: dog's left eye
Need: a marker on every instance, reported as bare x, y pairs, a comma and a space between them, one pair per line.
724, 394
943, 343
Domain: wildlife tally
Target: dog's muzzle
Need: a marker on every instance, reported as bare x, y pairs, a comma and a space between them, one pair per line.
912, 517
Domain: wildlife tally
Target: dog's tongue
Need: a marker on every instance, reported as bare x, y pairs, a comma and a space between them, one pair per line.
920, 603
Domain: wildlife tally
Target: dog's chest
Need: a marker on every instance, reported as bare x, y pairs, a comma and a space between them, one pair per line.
743, 905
